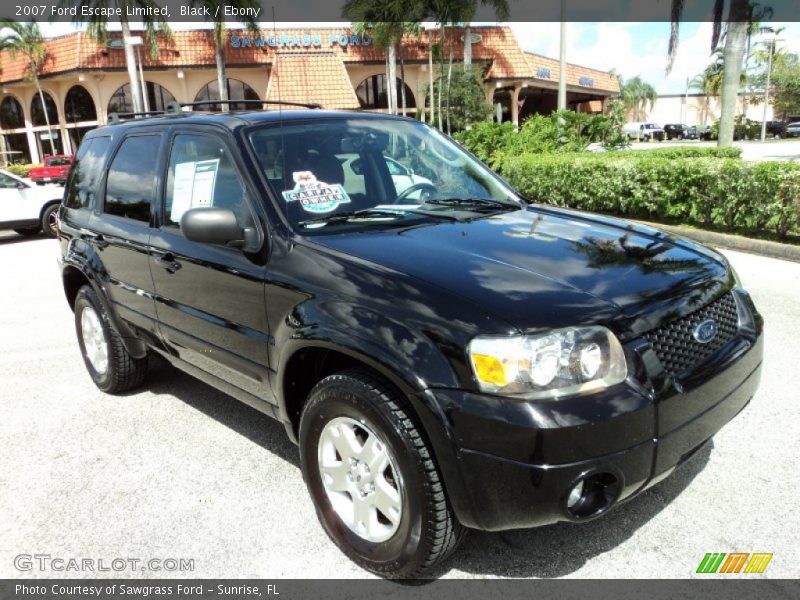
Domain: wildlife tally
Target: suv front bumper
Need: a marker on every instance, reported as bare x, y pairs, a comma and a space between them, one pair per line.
517, 460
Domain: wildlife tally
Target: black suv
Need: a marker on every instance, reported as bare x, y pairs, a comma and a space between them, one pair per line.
678, 131
445, 354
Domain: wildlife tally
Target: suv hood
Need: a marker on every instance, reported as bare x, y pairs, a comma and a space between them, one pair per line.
543, 268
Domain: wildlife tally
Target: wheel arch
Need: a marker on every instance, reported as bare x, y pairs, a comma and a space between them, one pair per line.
74, 277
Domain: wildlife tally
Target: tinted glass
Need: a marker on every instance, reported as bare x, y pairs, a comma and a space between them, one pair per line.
201, 174
85, 175
8, 182
131, 178
324, 167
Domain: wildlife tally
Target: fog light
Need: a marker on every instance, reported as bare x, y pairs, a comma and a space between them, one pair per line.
575, 495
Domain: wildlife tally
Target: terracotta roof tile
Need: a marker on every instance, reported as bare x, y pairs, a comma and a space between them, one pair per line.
601, 80
497, 49
311, 77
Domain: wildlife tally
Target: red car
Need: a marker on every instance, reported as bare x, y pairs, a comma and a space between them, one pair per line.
55, 170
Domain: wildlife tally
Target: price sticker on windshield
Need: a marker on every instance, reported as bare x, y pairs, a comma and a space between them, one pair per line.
315, 196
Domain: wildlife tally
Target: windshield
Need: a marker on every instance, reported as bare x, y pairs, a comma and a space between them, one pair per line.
388, 171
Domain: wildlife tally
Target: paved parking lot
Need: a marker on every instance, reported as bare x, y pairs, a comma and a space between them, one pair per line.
782, 150
178, 470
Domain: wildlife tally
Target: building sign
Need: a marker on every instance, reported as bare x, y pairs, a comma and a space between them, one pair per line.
301, 40
543, 73
586, 81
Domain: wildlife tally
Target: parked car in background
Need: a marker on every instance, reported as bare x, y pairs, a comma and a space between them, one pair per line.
678, 131
28, 209
705, 132
776, 129
54, 170
793, 129
643, 131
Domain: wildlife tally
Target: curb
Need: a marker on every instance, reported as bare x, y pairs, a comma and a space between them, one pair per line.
734, 242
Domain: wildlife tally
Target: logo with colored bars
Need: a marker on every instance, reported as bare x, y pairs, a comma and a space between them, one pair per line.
735, 562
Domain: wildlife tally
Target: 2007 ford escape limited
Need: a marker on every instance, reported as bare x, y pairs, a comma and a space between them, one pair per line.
446, 355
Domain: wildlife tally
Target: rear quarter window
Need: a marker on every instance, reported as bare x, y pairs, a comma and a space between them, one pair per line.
86, 173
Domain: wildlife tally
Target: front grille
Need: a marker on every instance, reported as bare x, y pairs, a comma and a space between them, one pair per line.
675, 345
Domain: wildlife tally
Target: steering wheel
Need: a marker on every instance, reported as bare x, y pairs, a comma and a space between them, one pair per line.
422, 185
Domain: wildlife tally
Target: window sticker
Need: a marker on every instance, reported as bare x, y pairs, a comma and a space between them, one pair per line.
315, 196
194, 186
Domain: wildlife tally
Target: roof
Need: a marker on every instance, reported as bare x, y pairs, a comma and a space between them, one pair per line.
311, 77
601, 80
497, 49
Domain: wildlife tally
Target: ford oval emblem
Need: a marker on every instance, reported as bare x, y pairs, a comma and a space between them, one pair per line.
705, 331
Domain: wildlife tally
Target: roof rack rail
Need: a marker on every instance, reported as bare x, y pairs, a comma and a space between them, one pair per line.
176, 107
116, 117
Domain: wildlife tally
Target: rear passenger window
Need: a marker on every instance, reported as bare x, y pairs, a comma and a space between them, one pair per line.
86, 173
131, 178
201, 174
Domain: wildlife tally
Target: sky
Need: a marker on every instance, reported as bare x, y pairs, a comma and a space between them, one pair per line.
629, 48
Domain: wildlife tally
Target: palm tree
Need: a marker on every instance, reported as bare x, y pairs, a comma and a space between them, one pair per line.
470, 7
741, 13
388, 21
98, 29
26, 39
218, 18
635, 94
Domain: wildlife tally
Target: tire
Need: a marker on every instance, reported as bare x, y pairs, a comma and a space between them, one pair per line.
28, 232
423, 531
120, 371
48, 220
680, 137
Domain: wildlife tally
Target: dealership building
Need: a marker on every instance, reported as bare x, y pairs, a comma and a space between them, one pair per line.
84, 80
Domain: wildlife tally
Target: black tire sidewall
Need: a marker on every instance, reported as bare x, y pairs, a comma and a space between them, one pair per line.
48, 231
86, 298
344, 399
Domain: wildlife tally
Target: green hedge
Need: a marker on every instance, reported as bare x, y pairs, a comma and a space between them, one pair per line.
20, 169
725, 192
684, 152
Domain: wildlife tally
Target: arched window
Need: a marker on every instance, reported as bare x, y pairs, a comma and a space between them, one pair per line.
79, 105
11, 116
373, 93
37, 114
237, 90
157, 98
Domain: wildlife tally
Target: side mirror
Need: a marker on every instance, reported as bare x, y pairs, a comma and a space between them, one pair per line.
212, 226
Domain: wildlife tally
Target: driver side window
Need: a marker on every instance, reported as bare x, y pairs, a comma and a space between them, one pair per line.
202, 174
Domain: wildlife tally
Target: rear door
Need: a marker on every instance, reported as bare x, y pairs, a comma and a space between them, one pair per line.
210, 297
121, 227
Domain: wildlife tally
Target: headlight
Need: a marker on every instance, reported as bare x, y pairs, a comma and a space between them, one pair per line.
552, 364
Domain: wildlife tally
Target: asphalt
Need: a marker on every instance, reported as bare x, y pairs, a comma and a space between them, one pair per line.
179, 470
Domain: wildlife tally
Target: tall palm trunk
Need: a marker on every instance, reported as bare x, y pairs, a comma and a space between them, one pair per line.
403, 79
449, 77
441, 73
130, 63
735, 40
392, 82
219, 54
44, 109
467, 48
430, 93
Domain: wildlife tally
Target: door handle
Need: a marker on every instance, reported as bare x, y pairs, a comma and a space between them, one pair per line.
100, 241
168, 262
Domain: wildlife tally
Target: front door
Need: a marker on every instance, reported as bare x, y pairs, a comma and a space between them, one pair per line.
13, 205
209, 297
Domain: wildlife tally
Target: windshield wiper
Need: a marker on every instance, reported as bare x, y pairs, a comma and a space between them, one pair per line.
346, 216
473, 202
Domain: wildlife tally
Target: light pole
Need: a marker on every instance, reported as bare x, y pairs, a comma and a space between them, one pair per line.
766, 89
136, 41
562, 65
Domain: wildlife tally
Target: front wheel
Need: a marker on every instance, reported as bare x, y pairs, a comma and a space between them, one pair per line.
373, 478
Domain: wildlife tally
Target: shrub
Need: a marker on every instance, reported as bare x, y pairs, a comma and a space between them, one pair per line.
723, 192
19, 169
